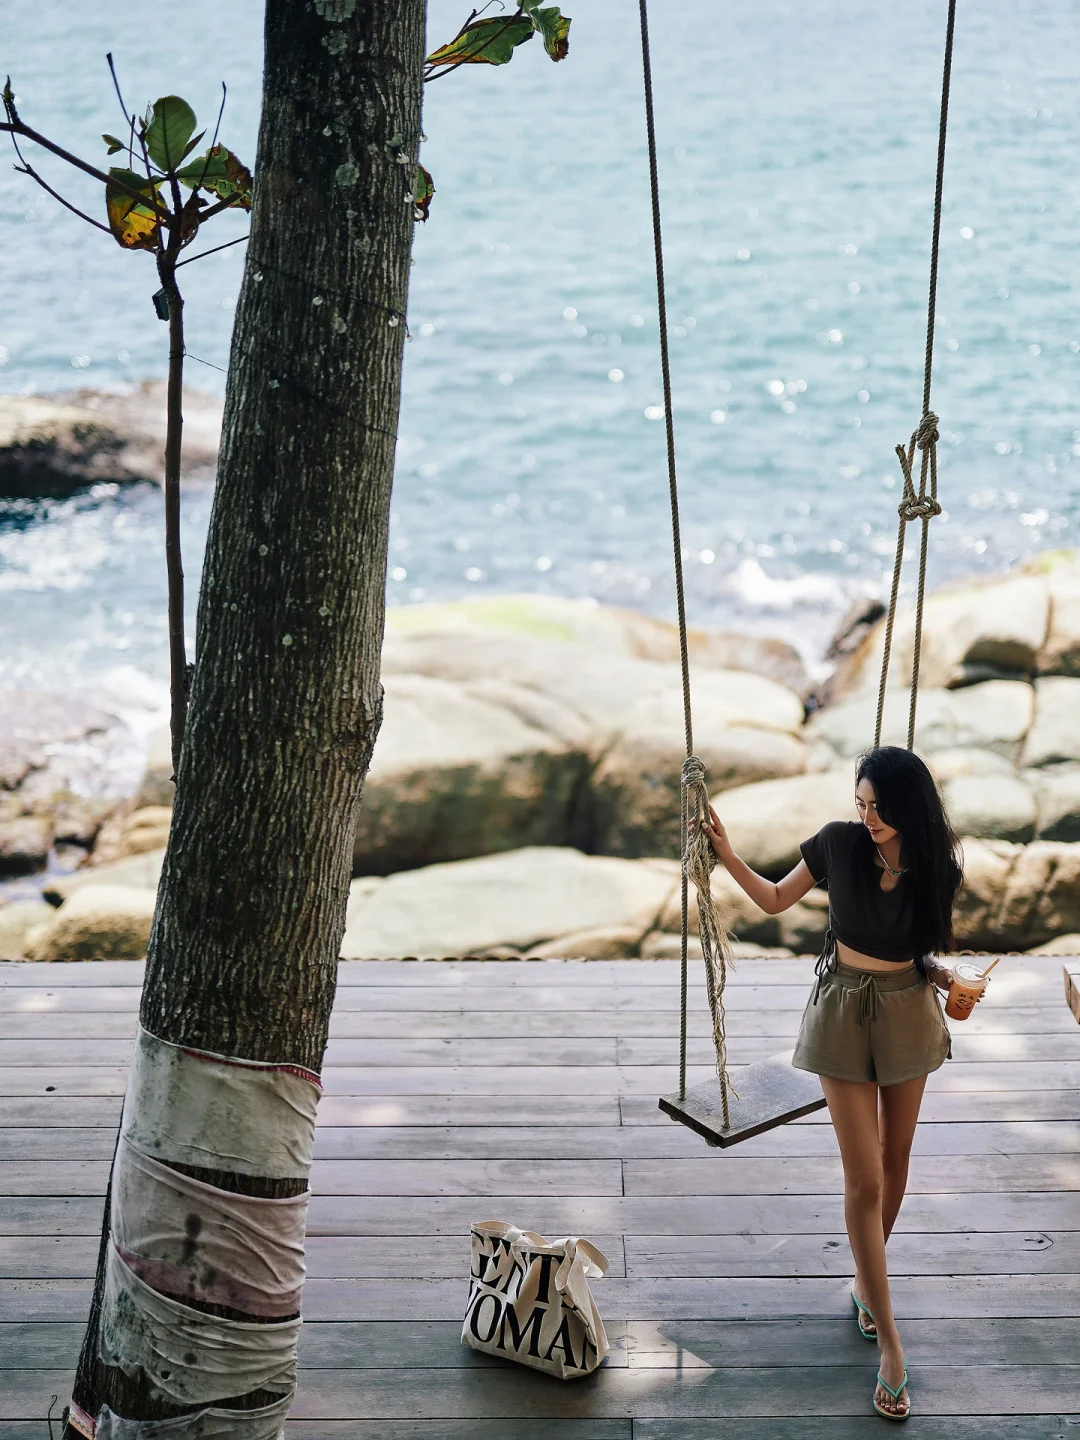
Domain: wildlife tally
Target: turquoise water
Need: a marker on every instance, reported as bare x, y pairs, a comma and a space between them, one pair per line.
797, 153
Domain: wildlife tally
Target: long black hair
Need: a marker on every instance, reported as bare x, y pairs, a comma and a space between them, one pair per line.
908, 800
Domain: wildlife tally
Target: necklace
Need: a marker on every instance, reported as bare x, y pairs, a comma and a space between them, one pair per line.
894, 873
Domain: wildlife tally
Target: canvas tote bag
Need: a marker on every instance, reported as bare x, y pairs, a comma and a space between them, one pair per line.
529, 1300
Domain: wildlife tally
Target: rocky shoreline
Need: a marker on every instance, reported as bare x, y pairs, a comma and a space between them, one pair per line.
523, 797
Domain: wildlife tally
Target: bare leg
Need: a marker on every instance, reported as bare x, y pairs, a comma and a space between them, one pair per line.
898, 1114
854, 1111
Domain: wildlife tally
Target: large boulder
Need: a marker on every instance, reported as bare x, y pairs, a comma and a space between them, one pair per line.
1060, 569
767, 822
136, 872
1017, 896
1057, 797
156, 787
54, 445
801, 928
745, 730
18, 921
1055, 733
995, 715
985, 630
24, 845
511, 901
456, 774
99, 922
993, 807
134, 833
602, 629
495, 737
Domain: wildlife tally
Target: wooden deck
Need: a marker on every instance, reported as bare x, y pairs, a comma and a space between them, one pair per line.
527, 1092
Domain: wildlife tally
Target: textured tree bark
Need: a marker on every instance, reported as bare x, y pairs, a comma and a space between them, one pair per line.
286, 702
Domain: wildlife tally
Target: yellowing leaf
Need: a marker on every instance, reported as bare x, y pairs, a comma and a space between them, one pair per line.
554, 27
484, 42
135, 226
425, 189
220, 172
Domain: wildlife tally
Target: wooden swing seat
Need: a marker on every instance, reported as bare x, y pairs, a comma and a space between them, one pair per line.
771, 1092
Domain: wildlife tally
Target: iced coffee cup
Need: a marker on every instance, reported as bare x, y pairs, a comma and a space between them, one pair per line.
967, 985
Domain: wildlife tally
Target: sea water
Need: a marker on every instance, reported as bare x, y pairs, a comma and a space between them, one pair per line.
797, 148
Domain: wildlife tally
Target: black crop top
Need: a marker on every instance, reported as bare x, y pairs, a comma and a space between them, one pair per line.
872, 921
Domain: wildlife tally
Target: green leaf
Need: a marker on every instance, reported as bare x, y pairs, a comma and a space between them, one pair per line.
553, 27
168, 127
134, 226
220, 172
485, 42
192, 143
425, 189
114, 144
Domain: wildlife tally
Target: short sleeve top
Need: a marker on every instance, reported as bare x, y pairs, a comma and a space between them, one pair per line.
872, 921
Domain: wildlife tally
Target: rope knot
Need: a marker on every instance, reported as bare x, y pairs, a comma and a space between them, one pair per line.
927, 433
693, 772
918, 507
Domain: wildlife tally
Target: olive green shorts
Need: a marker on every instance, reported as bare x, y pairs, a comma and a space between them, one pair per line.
883, 1029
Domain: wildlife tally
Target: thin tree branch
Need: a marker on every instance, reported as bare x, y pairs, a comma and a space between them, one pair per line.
28, 169
18, 127
128, 119
203, 253
217, 209
25, 169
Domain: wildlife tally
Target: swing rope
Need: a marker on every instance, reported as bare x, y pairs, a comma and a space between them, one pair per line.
922, 504
698, 859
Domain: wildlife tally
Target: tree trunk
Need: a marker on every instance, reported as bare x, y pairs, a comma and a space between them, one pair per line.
286, 702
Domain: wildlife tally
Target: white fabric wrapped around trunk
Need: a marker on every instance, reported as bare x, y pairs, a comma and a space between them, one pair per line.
530, 1300
212, 1424
204, 1245
190, 1357
192, 1107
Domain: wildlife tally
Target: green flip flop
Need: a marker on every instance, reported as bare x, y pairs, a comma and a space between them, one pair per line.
888, 1414
860, 1311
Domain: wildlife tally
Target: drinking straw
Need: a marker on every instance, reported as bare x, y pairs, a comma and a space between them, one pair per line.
989, 968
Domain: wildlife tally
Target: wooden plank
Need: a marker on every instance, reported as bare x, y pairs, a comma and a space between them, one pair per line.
599, 1215
655, 1215
615, 1393
541, 1051
939, 1106
446, 1257
19, 1111
524, 1428
540, 1144
569, 1142
726, 1175
930, 1174
560, 1023
832, 1427
641, 1344
1014, 1253
981, 1426
49, 1345
655, 1300
361, 1177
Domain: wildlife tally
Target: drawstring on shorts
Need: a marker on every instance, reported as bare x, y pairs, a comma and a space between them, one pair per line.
826, 962
868, 998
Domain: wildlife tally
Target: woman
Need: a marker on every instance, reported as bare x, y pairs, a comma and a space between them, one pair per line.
873, 1028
